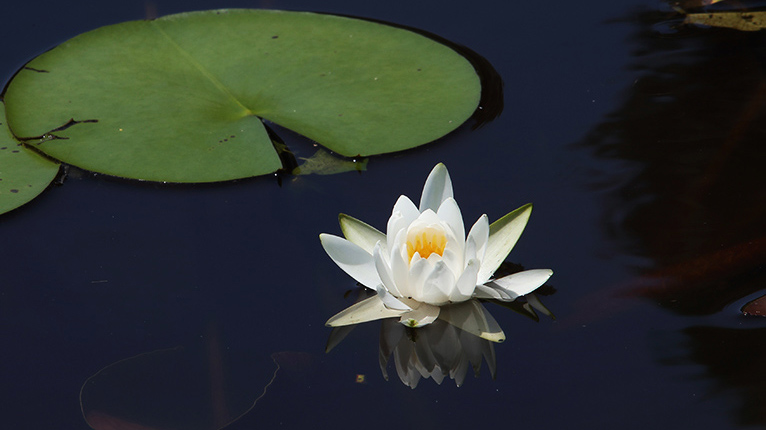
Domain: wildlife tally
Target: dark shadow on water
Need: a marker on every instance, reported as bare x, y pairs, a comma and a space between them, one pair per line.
734, 358
687, 194
684, 186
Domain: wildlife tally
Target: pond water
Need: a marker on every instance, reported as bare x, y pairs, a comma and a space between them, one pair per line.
639, 142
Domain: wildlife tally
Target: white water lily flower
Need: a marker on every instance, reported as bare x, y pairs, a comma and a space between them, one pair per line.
425, 261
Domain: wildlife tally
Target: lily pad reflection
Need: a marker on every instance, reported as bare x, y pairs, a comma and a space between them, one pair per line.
179, 388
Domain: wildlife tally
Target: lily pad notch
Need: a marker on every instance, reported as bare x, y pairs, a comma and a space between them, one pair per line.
24, 173
182, 98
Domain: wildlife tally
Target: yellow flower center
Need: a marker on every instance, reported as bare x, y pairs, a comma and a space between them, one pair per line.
426, 241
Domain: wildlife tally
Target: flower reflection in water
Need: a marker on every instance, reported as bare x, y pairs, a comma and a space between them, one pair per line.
436, 351
439, 349
433, 277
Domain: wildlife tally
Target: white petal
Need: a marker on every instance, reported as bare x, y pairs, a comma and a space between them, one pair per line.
390, 301
360, 232
476, 242
400, 270
403, 214
473, 318
503, 235
453, 258
350, 257
406, 207
488, 291
449, 212
428, 217
469, 251
367, 310
438, 286
438, 188
384, 271
466, 283
425, 314
416, 276
519, 284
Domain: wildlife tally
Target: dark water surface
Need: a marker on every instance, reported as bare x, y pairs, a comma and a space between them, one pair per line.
639, 142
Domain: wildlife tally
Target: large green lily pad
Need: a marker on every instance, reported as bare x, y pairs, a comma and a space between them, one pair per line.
23, 173
182, 98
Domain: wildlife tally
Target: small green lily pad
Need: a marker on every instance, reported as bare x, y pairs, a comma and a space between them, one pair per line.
324, 163
24, 174
182, 98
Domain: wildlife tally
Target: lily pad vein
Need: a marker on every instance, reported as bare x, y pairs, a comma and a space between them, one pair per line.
193, 61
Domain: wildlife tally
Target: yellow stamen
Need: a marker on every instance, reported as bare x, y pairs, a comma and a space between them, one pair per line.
426, 242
